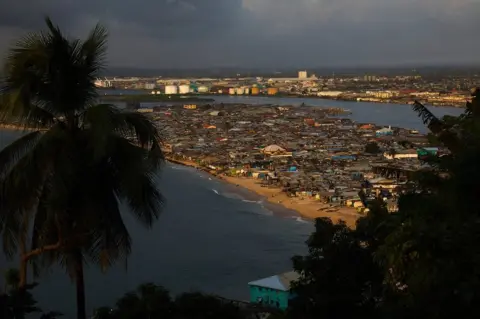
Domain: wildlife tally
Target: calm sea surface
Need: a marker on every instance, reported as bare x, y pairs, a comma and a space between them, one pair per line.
211, 236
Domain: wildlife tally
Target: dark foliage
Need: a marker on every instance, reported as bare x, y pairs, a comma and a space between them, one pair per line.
154, 302
372, 148
420, 262
18, 303
339, 278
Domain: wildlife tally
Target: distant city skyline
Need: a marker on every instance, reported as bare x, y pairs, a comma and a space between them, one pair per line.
187, 34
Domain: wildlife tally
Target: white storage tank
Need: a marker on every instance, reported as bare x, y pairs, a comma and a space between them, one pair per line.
203, 89
231, 91
171, 89
240, 91
184, 89
247, 90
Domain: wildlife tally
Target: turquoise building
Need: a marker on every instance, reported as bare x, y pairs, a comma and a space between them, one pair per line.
273, 291
427, 151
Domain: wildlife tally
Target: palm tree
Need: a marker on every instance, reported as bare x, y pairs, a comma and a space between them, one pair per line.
61, 183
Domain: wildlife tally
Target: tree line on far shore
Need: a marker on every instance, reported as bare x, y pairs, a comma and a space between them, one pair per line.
61, 184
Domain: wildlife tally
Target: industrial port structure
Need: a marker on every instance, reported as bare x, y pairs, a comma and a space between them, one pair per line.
402, 89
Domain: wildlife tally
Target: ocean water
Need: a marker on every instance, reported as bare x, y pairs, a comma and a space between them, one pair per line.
212, 236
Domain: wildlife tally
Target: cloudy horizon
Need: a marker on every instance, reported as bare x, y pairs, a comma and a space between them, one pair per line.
263, 33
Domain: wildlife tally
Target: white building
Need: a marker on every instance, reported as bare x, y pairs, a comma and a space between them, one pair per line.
203, 89
171, 89
184, 89
401, 154
329, 93
103, 83
383, 94
302, 74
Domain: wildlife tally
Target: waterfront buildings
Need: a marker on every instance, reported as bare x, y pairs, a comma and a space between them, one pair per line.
303, 154
401, 89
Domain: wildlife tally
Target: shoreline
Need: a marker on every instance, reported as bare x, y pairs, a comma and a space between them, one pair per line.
210, 97
304, 207
13, 127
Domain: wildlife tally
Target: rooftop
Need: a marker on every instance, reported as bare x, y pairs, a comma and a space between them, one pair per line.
278, 282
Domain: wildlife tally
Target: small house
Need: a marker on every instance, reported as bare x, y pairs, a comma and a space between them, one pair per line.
273, 291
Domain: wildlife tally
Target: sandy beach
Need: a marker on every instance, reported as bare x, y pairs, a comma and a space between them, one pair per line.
308, 208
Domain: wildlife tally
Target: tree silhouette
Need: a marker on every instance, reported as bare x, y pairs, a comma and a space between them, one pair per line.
64, 178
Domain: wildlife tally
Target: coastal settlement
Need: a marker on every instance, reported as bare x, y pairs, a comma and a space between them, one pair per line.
313, 160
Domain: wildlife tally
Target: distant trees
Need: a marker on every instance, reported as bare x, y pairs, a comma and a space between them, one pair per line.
420, 262
339, 276
18, 303
432, 251
372, 148
406, 144
152, 301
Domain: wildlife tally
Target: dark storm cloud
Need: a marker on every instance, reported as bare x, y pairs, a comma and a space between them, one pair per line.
188, 33
155, 17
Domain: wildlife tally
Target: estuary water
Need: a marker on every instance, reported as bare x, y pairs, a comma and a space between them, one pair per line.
212, 236
400, 115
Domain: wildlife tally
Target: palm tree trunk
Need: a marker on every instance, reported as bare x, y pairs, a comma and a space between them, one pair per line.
80, 284
23, 252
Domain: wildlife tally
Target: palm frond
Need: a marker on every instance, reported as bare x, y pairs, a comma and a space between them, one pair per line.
10, 222
434, 123
25, 65
144, 129
444, 132
21, 187
91, 55
54, 29
105, 119
17, 111
110, 239
53, 73
17, 149
94, 50
136, 181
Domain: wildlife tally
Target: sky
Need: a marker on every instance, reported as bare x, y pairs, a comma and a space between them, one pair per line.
262, 33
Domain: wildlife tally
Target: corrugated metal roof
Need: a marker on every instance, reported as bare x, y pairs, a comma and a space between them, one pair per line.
278, 282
